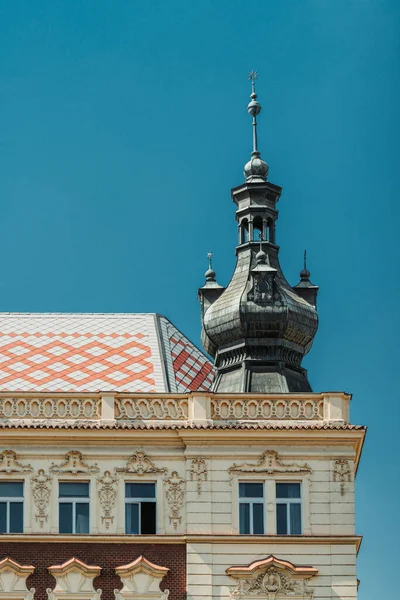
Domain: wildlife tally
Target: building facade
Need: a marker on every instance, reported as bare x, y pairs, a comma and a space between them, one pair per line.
131, 467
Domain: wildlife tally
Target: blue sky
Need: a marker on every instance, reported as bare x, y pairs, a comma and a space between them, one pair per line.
123, 128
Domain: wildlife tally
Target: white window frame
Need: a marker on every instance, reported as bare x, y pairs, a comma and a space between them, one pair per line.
139, 502
289, 501
74, 501
251, 501
8, 499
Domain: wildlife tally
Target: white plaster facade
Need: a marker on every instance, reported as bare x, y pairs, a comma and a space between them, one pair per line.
197, 464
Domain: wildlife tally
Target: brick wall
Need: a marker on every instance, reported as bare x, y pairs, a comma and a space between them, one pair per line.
107, 556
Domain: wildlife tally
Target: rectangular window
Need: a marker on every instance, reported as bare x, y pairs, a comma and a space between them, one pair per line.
288, 508
140, 508
11, 507
73, 507
251, 508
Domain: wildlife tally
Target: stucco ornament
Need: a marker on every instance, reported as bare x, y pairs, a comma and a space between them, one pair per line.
140, 464
74, 463
198, 472
342, 473
41, 492
13, 578
10, 464
107, 497
141, 579
272, 579
269, 463
74, 579
175, 497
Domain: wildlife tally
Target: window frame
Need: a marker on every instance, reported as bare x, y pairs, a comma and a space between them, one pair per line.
252, 501
15, 499
287, 502
74, 500
139, 501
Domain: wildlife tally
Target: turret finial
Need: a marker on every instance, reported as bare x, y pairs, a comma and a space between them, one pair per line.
305, 273
210, 273
256, 169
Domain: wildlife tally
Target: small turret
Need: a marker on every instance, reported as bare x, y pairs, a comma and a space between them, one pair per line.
305, 289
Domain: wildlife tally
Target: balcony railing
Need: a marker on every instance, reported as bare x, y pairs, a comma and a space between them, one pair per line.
195, 407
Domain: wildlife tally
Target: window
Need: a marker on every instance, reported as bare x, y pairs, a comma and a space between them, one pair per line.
288, 508
11, 507
140, 508
73, 507
251, 508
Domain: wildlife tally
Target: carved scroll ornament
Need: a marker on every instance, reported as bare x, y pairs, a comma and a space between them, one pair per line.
107, 496
269, 463
140, 464
175, 497
198, 472
10, 464
74, 463
41, 492
342, 473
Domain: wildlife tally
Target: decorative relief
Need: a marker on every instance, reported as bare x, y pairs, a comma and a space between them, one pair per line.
74, 463
74, 579
10, 464
141, 579
198, 472
269, 464
41, 491
13, 578
140, 464
269, 409
50, 408
175, 409
342, 473
175, 497
107, 496
272, 579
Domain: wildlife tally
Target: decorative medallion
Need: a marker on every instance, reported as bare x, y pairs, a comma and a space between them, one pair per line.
10, 464
41, 491
107, 497
342, 473
140, 464
175, 497
74, 463
198, 472
269, 464
272, 579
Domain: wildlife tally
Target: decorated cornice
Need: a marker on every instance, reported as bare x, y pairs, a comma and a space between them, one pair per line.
139, 565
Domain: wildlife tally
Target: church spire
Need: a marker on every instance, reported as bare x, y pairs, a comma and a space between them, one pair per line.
256, 169
259, 328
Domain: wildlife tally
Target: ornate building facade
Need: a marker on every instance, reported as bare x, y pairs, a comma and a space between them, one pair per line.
131, 467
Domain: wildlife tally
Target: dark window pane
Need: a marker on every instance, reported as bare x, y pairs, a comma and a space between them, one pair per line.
82, 517
3, 517
281, 521
244, 518
148, 517
65, 517
11, 489
288, 490
251, 490
295, 519
69, 489
16, 517
140, 490
132, 518
258, 518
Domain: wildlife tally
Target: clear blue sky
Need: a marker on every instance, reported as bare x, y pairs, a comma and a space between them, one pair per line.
123, 128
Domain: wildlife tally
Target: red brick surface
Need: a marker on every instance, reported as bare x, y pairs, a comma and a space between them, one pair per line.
107, 556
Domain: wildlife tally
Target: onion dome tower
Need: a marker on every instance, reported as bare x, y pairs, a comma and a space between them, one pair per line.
259, 328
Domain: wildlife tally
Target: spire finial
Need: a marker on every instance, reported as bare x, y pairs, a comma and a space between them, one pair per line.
256, 169
305, 273
210, 273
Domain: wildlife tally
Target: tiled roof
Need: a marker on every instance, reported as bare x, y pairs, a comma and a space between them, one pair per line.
98, 352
